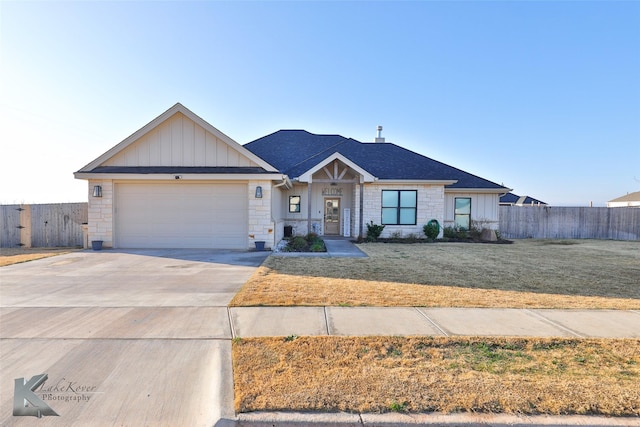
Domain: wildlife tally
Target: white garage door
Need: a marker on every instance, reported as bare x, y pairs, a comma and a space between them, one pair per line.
181, 215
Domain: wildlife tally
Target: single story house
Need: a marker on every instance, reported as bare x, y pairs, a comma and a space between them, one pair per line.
179, 182
511, 199
628, 200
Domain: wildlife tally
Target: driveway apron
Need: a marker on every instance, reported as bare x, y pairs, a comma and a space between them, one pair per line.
137, 337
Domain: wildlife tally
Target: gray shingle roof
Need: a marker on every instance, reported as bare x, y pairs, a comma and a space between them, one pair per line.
513, 198
294, 152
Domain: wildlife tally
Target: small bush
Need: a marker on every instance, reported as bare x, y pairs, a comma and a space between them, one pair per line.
431, 229
317, 247
450, 233
474, 233
374, 231
411, 238
456, 233
396, 235
309, 243
298, 244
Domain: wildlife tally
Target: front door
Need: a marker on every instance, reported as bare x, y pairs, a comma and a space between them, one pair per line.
332, 216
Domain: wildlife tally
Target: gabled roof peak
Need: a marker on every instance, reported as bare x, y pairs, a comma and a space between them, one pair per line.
159, 120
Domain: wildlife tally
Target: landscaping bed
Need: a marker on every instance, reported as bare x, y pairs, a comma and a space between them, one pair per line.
309, 243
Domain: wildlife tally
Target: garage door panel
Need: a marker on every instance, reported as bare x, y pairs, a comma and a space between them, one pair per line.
179, 215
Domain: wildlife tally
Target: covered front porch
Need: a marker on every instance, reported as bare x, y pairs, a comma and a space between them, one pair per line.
327, 200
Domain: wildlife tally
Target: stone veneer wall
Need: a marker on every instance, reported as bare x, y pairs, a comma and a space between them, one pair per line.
355, 213
430, 206
100, 213
261, 225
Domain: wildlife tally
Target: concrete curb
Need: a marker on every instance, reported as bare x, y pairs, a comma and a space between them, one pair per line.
270, 419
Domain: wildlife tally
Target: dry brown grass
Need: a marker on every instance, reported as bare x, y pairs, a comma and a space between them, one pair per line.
528, 273
10, 256
381, 374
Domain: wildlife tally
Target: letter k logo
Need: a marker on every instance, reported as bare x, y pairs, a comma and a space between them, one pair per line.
24, 392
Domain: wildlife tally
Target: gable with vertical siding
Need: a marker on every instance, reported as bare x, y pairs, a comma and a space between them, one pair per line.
179, 141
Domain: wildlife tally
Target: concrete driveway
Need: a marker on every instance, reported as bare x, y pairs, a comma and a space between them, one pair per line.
125, 337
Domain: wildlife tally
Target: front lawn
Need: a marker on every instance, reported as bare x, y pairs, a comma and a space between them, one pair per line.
446, 374
9, 256
528, 273
427, 374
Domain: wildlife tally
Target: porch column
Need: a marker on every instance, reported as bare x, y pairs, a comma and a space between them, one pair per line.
309, 207
361, 210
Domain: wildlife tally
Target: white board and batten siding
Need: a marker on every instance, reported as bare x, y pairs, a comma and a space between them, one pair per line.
484, 208
181, 215
179, 141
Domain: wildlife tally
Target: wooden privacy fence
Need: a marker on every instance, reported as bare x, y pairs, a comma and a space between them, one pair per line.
551, 222
47, 225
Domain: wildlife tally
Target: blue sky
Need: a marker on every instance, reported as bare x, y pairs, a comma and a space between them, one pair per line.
541, 96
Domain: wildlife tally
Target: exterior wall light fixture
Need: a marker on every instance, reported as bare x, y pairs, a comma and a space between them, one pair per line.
258, 192
97, 191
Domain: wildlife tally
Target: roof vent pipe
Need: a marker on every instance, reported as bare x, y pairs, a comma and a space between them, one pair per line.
379, 138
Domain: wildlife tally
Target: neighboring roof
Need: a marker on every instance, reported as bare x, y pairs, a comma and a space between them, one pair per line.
631, 197
514, 199
294, 152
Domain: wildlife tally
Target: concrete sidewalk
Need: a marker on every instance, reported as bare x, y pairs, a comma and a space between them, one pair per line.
404, 321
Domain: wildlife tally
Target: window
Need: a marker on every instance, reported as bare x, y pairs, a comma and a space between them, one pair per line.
462, 213
399, 207
294, 204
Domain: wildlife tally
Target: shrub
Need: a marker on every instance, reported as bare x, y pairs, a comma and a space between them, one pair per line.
450, 233
298, 244
456, 233
374, 231
431, 229
317, 247
309, 243
396, 235
411, 238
